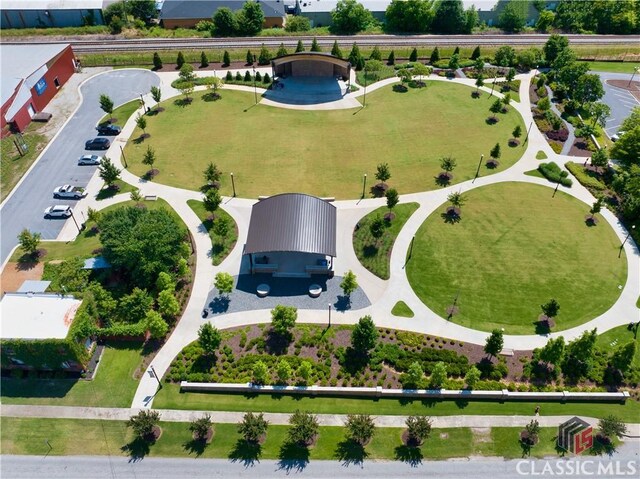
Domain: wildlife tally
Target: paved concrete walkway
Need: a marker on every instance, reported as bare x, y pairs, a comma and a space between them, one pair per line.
229, 417
566, 148
382, 294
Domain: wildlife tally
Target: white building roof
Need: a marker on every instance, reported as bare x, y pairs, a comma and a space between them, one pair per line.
319, 6
19, 62
53, 4
36, 316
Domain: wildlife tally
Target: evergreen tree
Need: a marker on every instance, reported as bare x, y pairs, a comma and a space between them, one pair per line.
495, 151
456, 51
266, 79
392, 58
314, 45
180, 60
299, 47
282, 51
375, 54
435, 56
495, 343
157, 61
265, 56
249, 57
476, 53
204, 60
226, 59
228, 76
354, 55
413, 57
364, 335
247, 76
335, 50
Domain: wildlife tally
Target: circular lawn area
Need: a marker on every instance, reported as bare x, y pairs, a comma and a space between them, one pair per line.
325, 153
514, 249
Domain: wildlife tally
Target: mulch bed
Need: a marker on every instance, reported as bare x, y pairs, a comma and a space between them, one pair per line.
634, 88
208, 437
409, 442
580, 148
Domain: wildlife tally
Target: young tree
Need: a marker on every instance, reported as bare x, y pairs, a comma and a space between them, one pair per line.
168, 305
600, 112
212, 84
377, 227
144, 423
157, 61
448, 163
221, 227
314, 45
304, 427
611, 426
204, 60
349, 283
438, 375
495, 151
551, 308
354, 55
156, 326
506, 100
494, 343
476, 53
247, 76
479, 82
282, 51
449, 17
479, 65
360, 428
106, 104
418, 429
29, 242
165, 282
531, 433
209, 339
391, 60
544, 104
496, 106
141, 122
201, 427
472, 377
283, 370
454, 62
364, 335
305, 370
253, 427
149, 157
264, 58
299, 47
335, 50
595, 208
223, 283
413, 56
513, 17
435, 56
420, 70
212, 200
224, 22
180, 60
250, 18
622, 357
414, 376
186, 88
392, 198
260, 372
383, 173
350, 17
405, 76
456, 199
108, 172
283, 319
517, 131
376, 54
226, 59
156, 94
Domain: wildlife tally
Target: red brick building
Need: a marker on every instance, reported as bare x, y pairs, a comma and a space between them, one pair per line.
31, 75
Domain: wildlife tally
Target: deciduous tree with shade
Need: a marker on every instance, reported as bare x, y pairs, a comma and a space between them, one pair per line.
144, 423
201, 428
622, 357
250, 18
349, 283
418, 429
209, 338
377, 227
168, 305
360, 428
283, 319
438, 375
350, 17
141, 122
364, 335
611, 427
383, 173
260, 372
392, 199
106, 104
553, 351
253, 427
29, 242
156, 326
283, 370
156, 94
223, 283
212, 200
304, 427
472, 377
414, 376
108, 172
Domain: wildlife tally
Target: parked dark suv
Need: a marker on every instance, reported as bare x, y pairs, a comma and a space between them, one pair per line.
108, 129
97, 144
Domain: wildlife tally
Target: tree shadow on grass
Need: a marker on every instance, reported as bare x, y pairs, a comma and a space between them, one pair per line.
246, 452
108, 192
137, 449
400, 89
183, 102
293, 457
195, 446
370, 251
411, 455
443, 179
451, 218
350, 452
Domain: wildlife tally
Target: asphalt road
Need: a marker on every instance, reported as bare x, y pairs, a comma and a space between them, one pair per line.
58, 163
620, 101
95, 467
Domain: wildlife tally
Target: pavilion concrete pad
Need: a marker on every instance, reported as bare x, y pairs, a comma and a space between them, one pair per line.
310, 93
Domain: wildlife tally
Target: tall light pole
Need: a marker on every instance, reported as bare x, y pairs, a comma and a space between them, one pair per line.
627, 237
478, 170
255, 90
364, 184
155, 375
364, 101
74, 220
233, 185
329, 316
528, 131
493, 85
144, 107
635, 70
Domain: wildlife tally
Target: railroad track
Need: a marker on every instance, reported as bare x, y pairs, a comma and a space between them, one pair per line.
109, 44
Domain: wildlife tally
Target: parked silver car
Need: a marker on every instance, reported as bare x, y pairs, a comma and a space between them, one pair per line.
68, 191
89, 160
58, 211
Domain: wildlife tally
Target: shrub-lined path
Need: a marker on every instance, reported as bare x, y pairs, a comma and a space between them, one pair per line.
382, 294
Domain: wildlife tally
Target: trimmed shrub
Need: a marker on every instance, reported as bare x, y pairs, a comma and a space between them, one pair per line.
583, 176
553, 173
558, 135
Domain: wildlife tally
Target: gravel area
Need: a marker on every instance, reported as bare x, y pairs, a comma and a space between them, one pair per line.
286, 291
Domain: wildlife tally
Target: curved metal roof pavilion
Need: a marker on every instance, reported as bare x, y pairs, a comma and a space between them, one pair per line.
292, 222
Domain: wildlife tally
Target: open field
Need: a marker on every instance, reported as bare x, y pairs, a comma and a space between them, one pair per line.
12, 165
271, 150
113, 385
515, 248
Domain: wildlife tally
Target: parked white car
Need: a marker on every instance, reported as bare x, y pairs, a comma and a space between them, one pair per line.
617, 136
89, 160
58, 211
68, 191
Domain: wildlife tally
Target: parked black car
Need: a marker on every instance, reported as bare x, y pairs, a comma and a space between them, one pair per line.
108, 129
97, 144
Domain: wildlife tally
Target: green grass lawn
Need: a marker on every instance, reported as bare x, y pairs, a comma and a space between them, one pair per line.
401, 309
122, 113
220, 246
170, 397
12, 165
615, 67
535, 174
91, 437
325, 153
541, 155
106, 193
515, 248
375, 255
87, 241
616, 337
113, 386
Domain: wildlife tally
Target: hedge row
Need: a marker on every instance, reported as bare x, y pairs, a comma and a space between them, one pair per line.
553, 173
583, 176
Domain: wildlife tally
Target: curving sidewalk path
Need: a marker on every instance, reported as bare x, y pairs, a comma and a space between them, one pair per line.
382, 294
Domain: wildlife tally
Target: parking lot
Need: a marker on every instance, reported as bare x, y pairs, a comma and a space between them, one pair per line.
620, 101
